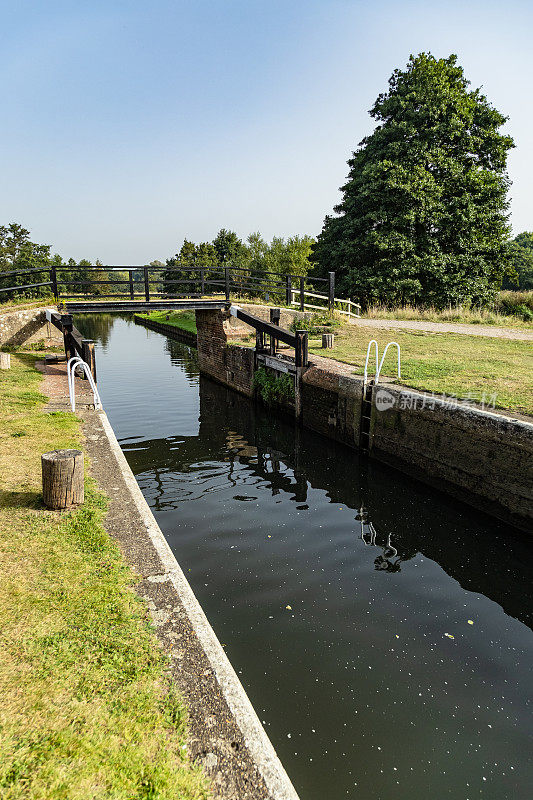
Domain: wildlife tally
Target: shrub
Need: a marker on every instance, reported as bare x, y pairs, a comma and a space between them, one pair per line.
519, 304
273, 389
319, 322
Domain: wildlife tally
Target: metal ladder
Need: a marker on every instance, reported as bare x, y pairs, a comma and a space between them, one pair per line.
366, 402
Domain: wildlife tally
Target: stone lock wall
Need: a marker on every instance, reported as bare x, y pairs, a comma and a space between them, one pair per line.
26, 326
331, 404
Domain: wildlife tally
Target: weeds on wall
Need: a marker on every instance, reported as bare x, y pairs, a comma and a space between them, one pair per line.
273, 389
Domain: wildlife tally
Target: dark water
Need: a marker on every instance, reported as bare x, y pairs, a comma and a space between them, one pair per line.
351, 630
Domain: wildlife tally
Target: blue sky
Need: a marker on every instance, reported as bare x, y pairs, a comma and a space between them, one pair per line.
129, 125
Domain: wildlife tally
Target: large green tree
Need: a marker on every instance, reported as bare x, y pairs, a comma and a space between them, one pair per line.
423, 216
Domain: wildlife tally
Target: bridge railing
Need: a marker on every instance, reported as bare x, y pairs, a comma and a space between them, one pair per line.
142, 283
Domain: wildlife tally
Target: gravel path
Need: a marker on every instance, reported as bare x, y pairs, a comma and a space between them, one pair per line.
448, 327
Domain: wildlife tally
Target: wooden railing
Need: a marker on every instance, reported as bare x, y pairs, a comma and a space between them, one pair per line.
340, 305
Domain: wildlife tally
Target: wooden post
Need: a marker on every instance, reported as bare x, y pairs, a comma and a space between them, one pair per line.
288, 291
300, 362
5, 361
67, 325
146, 285
202, 282
53, 279
62, 472
275, 316
226, 282
328, 340
331, 291
302, 294
88, 355
301, 349
130, 276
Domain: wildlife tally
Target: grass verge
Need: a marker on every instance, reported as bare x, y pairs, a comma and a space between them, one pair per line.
454, 364
87, 708
510, 309
185, 320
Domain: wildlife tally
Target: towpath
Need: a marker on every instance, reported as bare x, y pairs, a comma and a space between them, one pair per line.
491, 331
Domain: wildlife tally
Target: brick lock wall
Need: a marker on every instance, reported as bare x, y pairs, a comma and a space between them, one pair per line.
228, 364
481, 457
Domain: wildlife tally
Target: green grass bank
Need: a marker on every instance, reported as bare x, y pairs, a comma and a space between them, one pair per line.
184, 320
87, 710
464, 366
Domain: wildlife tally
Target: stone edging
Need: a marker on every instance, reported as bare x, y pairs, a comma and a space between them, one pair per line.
254, 735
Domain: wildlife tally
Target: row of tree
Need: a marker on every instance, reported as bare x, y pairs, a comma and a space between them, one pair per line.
18, 252
520, 275
247, 261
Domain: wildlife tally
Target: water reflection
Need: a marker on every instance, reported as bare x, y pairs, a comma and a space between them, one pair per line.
370, 537
98, 326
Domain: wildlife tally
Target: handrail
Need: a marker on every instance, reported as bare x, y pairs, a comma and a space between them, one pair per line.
72, 363
283, 335
383, 359
371, 342
378, 368
296, 293
171, 280
298, 339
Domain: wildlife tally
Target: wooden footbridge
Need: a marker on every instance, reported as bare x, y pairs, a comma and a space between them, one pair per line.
127, 289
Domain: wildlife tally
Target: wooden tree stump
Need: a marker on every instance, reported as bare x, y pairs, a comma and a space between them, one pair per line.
5, 361
328, 340
62, 479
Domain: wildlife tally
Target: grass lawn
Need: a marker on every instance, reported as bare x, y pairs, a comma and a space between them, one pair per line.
186, 320
87, 710
456, 364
